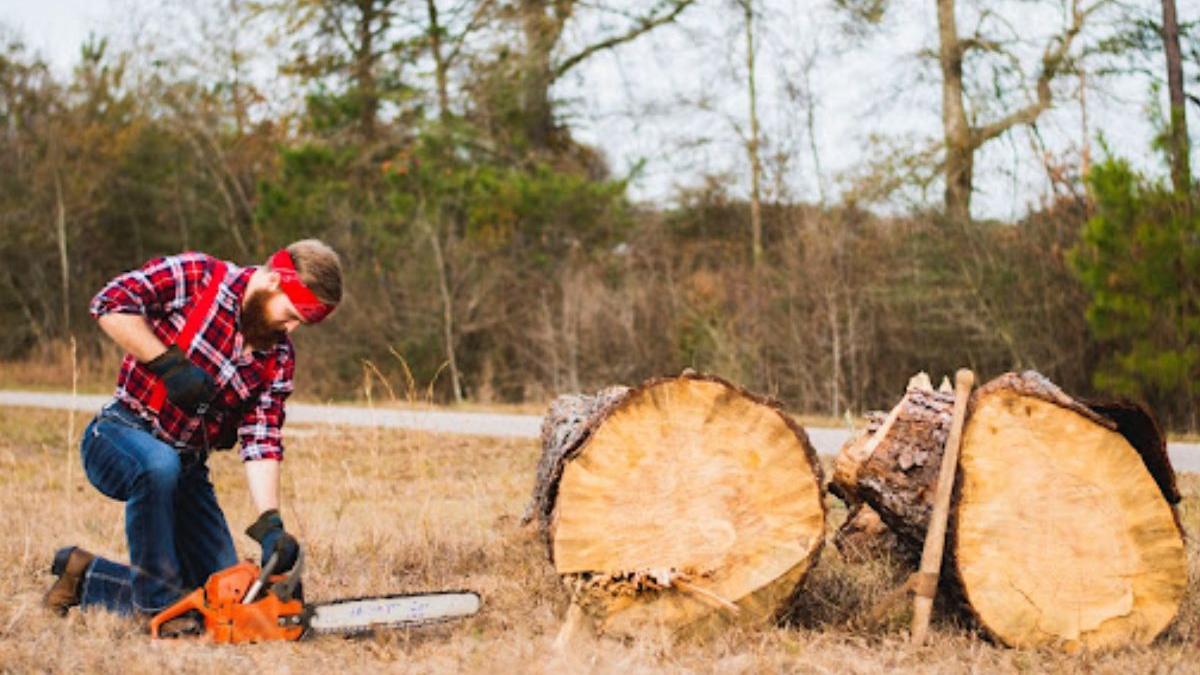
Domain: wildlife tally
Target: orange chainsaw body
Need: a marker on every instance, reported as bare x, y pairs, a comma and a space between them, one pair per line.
227, 620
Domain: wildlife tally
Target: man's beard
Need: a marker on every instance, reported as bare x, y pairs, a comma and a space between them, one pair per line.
255, 329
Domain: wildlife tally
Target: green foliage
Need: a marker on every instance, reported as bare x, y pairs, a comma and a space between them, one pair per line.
313, 181
532, 212
1139, 259
328, 114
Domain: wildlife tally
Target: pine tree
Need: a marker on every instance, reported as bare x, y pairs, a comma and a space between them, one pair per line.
1139, 259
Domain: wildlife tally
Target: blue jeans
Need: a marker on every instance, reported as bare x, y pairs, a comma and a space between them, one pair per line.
176, 531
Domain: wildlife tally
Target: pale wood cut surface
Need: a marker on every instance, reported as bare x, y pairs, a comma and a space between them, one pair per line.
1062, 536
695, 476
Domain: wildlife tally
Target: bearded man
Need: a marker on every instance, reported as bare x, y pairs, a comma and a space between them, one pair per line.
208, 363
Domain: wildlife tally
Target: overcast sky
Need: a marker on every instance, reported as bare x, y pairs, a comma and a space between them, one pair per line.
628, 102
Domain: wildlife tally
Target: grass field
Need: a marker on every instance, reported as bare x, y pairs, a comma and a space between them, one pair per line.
382, 511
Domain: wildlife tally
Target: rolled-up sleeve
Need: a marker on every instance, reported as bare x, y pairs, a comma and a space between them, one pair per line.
157, 287
261, 429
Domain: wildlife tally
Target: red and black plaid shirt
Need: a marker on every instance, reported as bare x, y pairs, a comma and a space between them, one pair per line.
246, 407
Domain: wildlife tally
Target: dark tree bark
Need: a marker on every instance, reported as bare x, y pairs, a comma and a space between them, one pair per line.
956, 129
1181, 178
542, 23
440, 65
365, 58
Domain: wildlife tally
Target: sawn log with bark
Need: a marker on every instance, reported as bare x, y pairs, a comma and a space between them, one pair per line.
1063, 530
686, 503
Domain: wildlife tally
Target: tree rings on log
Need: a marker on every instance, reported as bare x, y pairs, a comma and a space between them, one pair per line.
685, 504
1061, 534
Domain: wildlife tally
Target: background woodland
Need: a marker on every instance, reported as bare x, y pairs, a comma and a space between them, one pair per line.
493, 256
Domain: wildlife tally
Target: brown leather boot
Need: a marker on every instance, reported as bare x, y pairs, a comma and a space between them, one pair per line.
69, 566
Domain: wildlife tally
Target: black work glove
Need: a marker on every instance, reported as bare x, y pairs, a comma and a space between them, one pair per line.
268, 531
187, 384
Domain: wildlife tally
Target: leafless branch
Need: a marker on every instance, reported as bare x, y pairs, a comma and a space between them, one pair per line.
1054, 57
643, 25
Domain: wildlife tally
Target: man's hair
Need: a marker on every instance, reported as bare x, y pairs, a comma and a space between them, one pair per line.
319, 268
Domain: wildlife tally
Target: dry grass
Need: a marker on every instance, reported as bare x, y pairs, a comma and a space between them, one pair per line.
397, 511
52, 370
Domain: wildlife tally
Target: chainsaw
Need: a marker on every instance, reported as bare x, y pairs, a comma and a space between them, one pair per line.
245, 603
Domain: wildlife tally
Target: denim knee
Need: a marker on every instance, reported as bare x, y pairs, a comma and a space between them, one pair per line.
160, 472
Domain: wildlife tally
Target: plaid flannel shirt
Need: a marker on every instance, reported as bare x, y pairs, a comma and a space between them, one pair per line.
245, 408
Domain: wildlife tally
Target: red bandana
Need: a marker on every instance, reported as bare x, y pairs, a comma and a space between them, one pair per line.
312, 309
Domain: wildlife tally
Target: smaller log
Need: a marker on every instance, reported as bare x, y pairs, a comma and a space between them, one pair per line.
855, 451
893, 466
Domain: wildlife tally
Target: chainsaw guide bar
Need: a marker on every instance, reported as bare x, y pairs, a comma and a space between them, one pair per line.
361, 615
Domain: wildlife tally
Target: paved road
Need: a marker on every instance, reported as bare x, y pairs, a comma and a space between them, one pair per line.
1184, 456
476, 424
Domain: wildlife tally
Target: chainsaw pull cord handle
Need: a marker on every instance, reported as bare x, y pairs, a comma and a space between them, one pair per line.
257, 586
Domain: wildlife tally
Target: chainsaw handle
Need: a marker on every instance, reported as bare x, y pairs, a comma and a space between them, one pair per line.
268, 567
193, 600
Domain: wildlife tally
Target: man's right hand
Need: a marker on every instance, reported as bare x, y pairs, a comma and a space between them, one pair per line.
187, 384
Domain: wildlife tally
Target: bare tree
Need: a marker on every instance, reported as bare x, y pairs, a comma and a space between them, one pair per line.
1178, 135
542, 24
344, 41
963, 136
60, 229
448, 330
810, 120
1085, 141
752, 144
446, 42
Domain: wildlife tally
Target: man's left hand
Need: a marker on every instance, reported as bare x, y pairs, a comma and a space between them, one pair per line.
268, 531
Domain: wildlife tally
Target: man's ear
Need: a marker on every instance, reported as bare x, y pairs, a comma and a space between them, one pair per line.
272, 281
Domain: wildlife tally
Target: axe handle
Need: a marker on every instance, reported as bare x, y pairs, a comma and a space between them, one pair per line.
926, 581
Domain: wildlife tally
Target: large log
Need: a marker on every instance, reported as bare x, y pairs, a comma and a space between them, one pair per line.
686, 503
1061, 535
1062, 531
